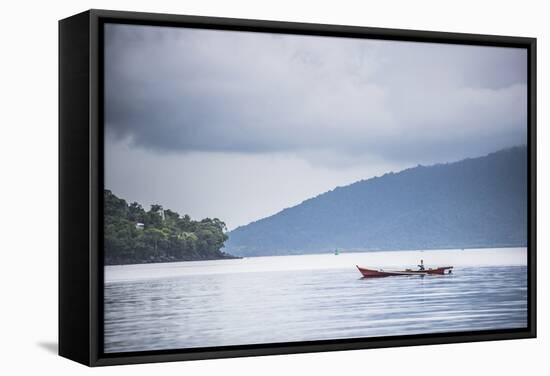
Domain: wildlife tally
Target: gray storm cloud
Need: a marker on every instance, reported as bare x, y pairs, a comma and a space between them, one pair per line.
173, 90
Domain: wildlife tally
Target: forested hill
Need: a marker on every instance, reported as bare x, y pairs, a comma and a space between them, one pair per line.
133, 235
477, 202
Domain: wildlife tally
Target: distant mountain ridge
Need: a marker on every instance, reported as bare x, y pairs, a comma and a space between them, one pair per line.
476, 202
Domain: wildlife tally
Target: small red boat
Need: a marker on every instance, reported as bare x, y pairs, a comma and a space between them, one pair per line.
372, 273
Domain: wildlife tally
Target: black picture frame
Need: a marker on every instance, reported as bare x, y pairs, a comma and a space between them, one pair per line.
81, 186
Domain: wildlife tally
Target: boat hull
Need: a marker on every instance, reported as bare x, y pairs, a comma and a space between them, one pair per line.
373, 273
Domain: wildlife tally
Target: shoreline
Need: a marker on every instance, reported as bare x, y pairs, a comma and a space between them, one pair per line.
148, 262
365, 250
341, 252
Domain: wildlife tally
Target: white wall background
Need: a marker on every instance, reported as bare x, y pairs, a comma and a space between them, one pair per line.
28, 192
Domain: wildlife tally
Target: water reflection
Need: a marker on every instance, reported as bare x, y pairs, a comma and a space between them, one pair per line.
227, 308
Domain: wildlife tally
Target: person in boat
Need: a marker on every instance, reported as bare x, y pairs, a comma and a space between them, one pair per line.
421, 266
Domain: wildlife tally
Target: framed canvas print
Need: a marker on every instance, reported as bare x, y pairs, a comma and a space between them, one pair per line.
235, 187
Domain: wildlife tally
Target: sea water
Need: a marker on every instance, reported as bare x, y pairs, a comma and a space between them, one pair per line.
310, 297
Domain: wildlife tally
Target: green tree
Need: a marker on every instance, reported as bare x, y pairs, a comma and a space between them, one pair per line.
176, 238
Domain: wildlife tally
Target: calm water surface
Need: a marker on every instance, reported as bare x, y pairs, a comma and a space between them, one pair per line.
312, 297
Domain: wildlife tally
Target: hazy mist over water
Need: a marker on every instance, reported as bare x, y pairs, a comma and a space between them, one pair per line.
310, 297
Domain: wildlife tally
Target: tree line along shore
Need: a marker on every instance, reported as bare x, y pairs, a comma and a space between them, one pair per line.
133, 235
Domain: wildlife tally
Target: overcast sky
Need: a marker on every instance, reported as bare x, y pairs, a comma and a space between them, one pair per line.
240, 125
